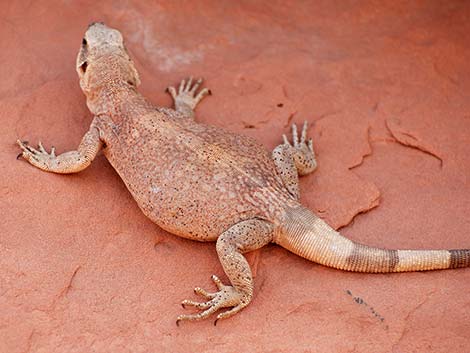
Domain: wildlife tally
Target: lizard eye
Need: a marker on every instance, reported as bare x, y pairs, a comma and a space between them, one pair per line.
84, 66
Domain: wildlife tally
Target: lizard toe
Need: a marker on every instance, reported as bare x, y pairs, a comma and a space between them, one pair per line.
226, 297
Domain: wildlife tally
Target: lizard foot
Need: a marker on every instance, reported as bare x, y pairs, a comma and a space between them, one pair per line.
186, 98
304, 156
226, 297
37, 157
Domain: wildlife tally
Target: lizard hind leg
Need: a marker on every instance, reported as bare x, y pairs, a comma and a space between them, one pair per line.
294, 160
240, 238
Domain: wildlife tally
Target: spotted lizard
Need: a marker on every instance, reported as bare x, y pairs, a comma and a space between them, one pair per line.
205, 183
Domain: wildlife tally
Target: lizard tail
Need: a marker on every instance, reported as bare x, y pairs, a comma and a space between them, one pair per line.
310, 237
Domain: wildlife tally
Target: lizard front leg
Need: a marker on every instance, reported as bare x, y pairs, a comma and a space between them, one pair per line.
186, 99
294, 160
68, 162
241, 238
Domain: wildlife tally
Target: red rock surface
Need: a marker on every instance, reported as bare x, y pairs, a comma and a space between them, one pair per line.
386, 86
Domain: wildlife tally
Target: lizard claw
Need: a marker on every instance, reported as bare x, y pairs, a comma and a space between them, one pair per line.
37, 157
303, 144
226, 297
186, 98
304, 156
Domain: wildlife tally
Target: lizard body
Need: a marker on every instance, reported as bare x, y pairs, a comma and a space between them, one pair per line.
208, 184
216, 165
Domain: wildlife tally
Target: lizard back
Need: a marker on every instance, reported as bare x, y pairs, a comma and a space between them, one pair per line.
207, 177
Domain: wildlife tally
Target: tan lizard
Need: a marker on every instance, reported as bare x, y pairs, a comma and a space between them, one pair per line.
208, 184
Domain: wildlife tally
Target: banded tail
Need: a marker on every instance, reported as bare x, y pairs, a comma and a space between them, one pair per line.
309, 236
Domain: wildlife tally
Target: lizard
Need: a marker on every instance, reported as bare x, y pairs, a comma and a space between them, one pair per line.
205, 183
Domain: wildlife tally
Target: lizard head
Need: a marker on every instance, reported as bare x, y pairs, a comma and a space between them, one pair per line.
101, 51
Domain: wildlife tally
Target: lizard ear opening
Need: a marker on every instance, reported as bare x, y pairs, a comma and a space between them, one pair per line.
135, 76
135, 79
82, 62
83, 66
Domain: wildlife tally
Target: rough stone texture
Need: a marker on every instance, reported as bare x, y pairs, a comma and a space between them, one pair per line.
385, 85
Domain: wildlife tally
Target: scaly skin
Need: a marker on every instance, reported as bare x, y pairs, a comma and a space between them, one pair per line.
208, 184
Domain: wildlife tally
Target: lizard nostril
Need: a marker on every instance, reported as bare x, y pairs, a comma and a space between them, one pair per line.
84, 42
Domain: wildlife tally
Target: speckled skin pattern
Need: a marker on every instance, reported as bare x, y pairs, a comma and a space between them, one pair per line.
208, 184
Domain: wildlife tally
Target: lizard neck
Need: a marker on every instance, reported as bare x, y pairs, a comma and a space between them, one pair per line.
111, 89
117, 100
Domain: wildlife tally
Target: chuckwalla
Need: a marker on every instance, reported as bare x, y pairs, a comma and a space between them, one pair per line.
208, 184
